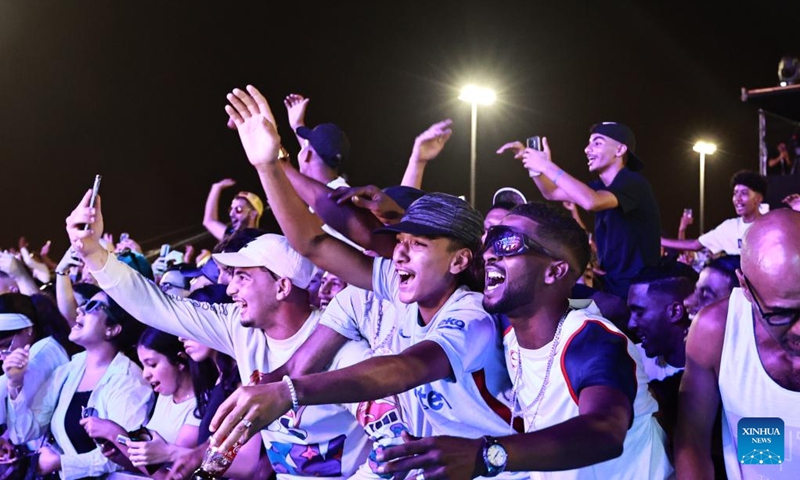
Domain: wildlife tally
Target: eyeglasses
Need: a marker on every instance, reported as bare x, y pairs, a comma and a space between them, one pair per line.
778, 317
92, 306
506, 243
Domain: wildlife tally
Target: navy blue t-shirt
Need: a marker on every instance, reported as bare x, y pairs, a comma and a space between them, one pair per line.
628, 237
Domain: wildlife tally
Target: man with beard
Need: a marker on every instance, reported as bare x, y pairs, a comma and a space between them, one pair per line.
744, 352
577, 379
245, 211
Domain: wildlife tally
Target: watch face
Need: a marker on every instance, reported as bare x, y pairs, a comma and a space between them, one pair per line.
496, 455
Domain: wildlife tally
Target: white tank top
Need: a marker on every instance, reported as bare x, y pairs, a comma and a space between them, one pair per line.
748, 391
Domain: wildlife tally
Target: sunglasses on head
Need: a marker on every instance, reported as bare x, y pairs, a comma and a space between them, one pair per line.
507, 242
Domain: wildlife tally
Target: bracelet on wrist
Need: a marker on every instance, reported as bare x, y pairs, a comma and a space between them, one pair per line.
61, 274
558, 175
292, 392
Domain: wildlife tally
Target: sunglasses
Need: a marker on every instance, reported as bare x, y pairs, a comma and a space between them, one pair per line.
92, 306
778, 317
507, 242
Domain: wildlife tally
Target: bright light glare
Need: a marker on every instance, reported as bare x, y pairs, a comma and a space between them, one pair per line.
783, 84
705, 147
479, 95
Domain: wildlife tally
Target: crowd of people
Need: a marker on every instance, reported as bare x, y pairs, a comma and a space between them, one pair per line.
398, 332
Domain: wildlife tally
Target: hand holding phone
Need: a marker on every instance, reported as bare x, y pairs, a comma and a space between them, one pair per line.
535, 143
93, 198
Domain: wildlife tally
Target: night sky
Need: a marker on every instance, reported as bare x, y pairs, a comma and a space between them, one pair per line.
135, 91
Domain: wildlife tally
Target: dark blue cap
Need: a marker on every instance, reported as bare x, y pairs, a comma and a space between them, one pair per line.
330, 143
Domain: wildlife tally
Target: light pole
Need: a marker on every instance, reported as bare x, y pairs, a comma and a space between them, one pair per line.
703, 148
476, 96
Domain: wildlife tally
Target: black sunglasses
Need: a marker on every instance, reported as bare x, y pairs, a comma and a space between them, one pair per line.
778, 317
507, 242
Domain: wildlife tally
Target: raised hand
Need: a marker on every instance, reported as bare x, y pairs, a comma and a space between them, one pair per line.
429, 144
255, 124
371, 198
296, 106
535, 161
246, 411
86, 242
438, 457
514, 147
224, 183
793, 201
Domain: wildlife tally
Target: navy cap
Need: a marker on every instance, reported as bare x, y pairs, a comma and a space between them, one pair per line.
623, 135
330, 143
440, 214
403, 195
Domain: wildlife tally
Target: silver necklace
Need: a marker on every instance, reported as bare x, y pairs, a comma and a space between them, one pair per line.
537, 402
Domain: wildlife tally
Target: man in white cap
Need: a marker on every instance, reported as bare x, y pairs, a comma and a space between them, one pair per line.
271, 318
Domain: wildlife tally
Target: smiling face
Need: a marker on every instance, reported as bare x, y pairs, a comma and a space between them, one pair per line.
602, 152
330, 286
159, 372
254, 290
425, 267
242, 214
746, 201
511, 281
711, 286
650, 319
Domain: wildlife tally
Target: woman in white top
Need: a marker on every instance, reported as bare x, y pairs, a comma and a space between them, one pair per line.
101, 380
174, 423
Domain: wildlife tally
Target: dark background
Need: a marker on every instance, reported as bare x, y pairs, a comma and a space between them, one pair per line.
135, 91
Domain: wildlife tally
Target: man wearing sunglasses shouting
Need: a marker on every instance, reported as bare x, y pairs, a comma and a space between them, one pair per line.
745, 352
578, 382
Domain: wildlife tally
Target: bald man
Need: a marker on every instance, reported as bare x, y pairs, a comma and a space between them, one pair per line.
745, 352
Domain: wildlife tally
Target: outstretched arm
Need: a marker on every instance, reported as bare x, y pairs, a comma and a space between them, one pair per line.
375, 378
256, 126
210, 215
427, 146
693, 245
555, 183
597, 434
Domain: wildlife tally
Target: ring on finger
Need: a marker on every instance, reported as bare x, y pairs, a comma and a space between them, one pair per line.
247, 423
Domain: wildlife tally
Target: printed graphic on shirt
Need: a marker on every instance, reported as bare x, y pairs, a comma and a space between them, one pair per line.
315, 460
761, 441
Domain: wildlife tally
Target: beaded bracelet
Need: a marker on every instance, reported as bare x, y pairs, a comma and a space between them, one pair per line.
292, 392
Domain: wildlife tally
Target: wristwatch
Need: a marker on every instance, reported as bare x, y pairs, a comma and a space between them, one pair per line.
494, 456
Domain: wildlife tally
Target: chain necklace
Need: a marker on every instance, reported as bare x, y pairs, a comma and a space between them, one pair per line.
537, 402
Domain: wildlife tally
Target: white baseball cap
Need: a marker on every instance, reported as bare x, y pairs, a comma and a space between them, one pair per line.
274, 253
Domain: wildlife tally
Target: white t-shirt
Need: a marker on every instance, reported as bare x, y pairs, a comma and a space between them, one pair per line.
727, 237
168, 417
471, 339
315, 441
591, 351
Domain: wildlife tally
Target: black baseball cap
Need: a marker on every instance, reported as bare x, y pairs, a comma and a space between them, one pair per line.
624, 135
330, 143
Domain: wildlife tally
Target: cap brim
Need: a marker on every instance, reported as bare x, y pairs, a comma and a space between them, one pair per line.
236, 259
303, 132
414, 229
634, 163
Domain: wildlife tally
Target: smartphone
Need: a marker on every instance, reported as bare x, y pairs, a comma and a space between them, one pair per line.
535, 143
164, 250
93, 198
123, 440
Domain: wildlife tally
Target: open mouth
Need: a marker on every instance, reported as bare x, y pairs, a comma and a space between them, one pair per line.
493, 279
405, 277
155, 385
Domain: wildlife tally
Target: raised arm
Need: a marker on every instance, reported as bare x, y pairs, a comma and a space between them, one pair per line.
296, 106
556, 184
699, 398
255, 124
693, 245
210, 215
427, 146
